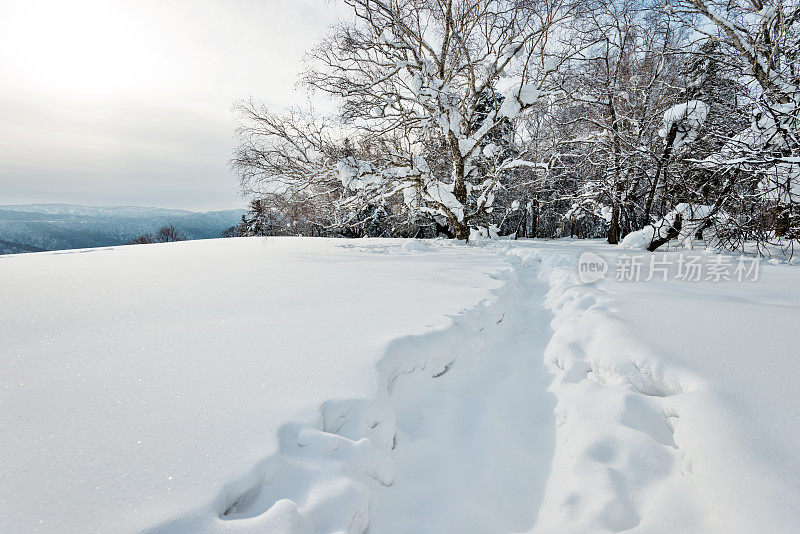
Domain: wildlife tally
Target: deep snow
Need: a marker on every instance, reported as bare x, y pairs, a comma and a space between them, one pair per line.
309, 385
678, 408
145, 383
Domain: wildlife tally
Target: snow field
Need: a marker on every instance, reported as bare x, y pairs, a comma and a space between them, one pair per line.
738, 424
446, 388
149, 387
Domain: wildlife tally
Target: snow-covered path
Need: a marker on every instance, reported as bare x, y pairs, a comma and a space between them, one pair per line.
474, 445
461, 440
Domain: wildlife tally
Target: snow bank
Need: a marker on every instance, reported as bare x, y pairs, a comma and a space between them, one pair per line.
481, 233
738, 426
615, 466
677, 406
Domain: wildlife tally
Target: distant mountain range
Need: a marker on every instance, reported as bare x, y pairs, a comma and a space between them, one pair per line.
37, 227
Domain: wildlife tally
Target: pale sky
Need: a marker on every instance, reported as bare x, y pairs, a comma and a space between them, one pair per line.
128, 102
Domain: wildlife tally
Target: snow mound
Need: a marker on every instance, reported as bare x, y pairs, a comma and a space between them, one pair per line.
692, 217
415, 245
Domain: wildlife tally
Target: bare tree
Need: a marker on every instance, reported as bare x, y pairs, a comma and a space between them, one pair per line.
617, 92
539, 118
411, 74
143, 239
169, 233
758, 168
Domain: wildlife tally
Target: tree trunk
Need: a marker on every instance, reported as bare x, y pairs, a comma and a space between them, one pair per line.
782, 220
460, 228
662, 161
613, 226
672, 232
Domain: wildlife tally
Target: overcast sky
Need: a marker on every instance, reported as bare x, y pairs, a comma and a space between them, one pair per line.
128, 102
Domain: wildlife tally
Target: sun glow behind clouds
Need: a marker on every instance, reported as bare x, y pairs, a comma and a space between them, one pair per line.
85, 47
129, 101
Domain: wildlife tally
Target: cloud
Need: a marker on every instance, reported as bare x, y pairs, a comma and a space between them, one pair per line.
130, 101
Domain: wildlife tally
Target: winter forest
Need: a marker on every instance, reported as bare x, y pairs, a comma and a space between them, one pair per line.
638, 121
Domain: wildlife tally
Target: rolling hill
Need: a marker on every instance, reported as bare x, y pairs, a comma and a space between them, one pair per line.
36, 227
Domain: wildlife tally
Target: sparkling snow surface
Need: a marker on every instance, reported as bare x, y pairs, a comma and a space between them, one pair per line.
318, 386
